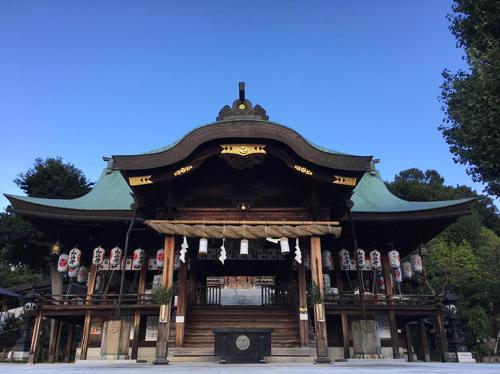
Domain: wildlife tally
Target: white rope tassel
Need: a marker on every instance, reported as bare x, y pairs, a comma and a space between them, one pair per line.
184, 247
223, 253
298, 254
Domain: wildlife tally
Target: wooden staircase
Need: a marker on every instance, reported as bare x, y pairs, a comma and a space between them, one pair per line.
200, 320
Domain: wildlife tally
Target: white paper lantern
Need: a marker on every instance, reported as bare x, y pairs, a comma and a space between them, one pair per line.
375, 260
416, 263
115, 257
396, 275
98, 256
327, 260
360, 258
406, 270
160, 257
138, 258
74, 258
244, 247
62, 263
82, 274
394, 260
380, 282
284, 245
344, 259
73, 272
203, 247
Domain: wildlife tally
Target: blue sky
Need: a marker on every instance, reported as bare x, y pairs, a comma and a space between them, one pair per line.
85, 79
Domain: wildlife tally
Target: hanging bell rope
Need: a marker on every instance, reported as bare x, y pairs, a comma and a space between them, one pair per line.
243, 231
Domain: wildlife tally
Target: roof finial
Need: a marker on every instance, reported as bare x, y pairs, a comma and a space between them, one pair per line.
242, 108
242, 91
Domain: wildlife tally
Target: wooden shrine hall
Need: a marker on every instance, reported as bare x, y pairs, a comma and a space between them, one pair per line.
242, 239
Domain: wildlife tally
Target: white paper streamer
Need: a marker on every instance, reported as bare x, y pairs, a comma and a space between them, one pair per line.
223, 253
184, 247
298, 254
275, 241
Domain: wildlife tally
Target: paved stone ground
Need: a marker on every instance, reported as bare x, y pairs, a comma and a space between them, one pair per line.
275, 368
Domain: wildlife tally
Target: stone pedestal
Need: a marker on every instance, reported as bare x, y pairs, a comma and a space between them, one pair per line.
366, 339
115, 340
21, 350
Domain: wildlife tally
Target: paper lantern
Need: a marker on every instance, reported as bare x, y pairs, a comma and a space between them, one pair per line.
74, 258
327, 260
244, 247
416, 263
396, 275
115, 257
406, 270
203, 247
82, 274
375, 260
98, 256
160, 257
138, 259
394, 260
344, 259
360, 258
380, 282
62, 263
73, 272
284, 245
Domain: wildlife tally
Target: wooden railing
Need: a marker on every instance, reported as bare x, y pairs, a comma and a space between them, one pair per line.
275, 295
204, 295
100, 300
382, 299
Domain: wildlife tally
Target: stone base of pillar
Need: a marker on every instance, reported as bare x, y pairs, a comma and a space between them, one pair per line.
366, 339
115, 340
163, 361
19, 355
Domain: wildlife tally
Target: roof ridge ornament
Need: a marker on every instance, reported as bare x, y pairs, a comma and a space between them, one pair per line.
242, 109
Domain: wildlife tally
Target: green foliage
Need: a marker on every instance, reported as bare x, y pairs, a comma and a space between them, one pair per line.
471, 99
10, 330
316, 296
10, 277
52, 178
162, 295
477, 328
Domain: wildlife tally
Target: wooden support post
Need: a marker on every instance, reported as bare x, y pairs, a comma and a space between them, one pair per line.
425, 341
387, 276
141, 288
180, 319
192, 279
88, 314
302, 289
345, 334
441, 334
69, 342
409, 343
166, 281
54, 340
319, 309
35, 338
394, 335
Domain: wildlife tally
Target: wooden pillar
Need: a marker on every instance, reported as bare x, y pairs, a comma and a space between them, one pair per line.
181, 306
192, 279
141, 288
35, 338
387, 276
302, 290
441, 334
88, 314
319, 309
345, 334
54, 340
409, 343
394, 335
166, 281
69, 342
425, 341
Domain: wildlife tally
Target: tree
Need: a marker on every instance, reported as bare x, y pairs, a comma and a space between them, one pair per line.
471, 99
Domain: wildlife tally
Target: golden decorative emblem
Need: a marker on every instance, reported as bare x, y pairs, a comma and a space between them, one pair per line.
241, 106
139, 181
303, 169
243, 149
344, 181
183, 170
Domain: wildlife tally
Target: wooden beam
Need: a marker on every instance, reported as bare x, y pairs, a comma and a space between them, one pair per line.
167, 281
394, 335
345, 334
69, 342
35, 338
302, 290
319, 309
88, 314
441, 334
425, 341
409, 343
141, 288
181, 306
54, 341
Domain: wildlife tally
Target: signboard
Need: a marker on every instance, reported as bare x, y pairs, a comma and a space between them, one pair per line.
151, 329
